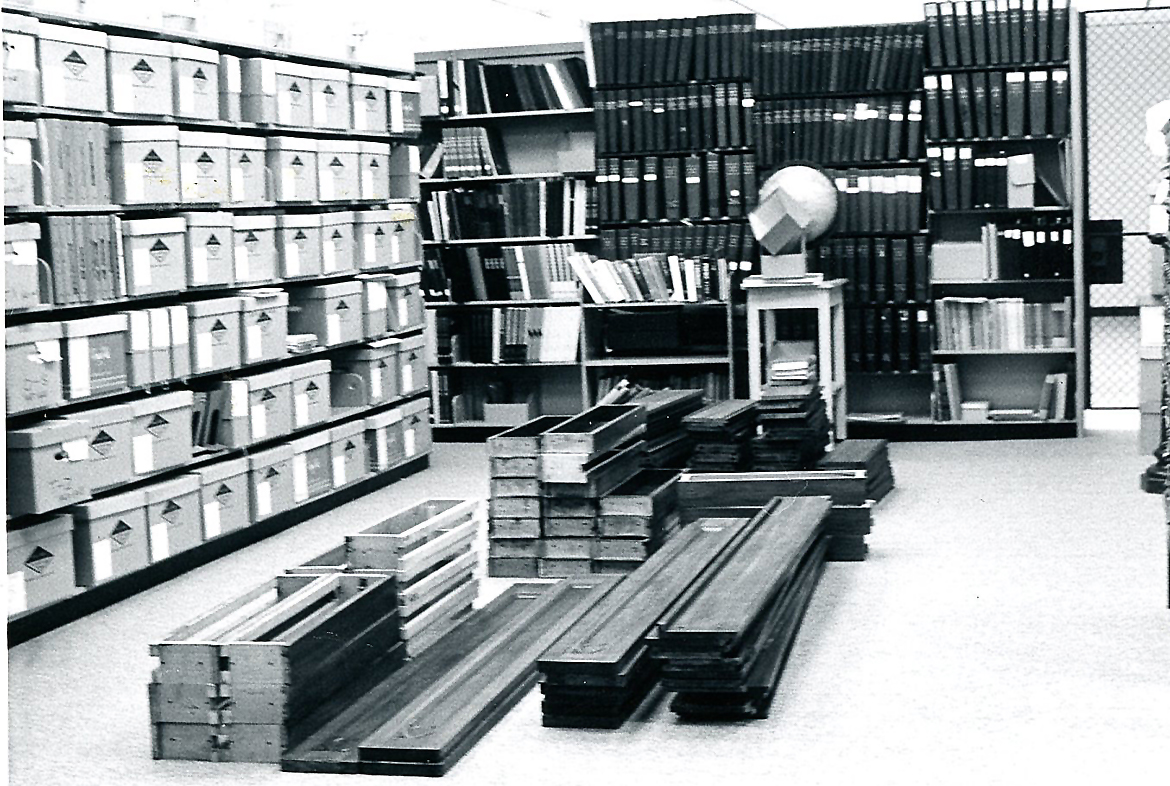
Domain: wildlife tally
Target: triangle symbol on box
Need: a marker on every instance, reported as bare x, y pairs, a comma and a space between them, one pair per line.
199, 74
370, 96
379, 231
328, 90
102, 438
38, 561
143, 71
224, 491
244, 159
297, 161
218, 327
205, 159
268, 396
312, 386
374, 164
170, 509
272, 473
212, 240
349, 446
75, 63
342, 305
336, 235
336, 162
121, 533
399, 228
294, 88
263, 317
152, 158
300, 236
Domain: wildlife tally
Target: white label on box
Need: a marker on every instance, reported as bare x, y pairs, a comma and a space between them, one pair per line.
370, 247
212, 526
288, 183
333, 329
239, 395
237, 184
186, 95
203, 351
300, 478
359, 114
326, 186
283, 106
381, 448
20, 52
338, 471
199, 274
292, 258
367, 184
397, 116
413, 158
24, 252
328, 255
143, 454
408, 441
103, 559
160, 546
180, 327
407, 378
403, 312
79, 367
76, 449
320, 108
48, 351
301, 409
241, 262
17, 152
263, 498
395, 251
255, 340
376, 294
259, 422
160, 328
132, 179
376, 385
141, 267
139, 331
122, 85
189, 180
17, 602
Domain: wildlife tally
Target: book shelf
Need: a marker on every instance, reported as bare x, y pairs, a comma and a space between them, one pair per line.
77, 237
474, 289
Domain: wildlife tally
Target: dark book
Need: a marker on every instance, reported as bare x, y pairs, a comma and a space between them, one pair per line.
1060, 102
733, 184
991, 22
881, 271
963, 33
1015, 15
923, 343
1028, 30
996, 97
950, 108
631, 190
934, 44
963, 100
921, 269
1043, 30
950, 40
900, 275
979, 31
979, 103
966, 179
651, 188
693, 177
672, 187
1058, 34
1038, 103
1015, 103
715, 187
931, 96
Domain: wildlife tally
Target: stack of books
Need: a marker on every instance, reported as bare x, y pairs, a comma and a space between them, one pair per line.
722, 435
539, 271
871, 455
473, 151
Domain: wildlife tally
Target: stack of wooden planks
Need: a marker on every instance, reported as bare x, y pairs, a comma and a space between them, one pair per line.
420, 719
601, 669
515, 525
233, 684
668, 446
428, 549
794, 426
871, 455
721, 433
635, 519
724, 647
743, 493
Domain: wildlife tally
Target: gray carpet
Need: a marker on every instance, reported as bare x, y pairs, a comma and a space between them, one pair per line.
1009, 627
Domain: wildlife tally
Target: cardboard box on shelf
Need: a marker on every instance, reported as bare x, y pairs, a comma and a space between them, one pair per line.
331, 311
224, 496
276, 91
348, 449
95, 355
366, 376
311, 401
139, 360
374, 162
155, 252
293, 163
20, 141
210, 247
416, 428
373, 242
339, 174
40, 564
215, 334
331, 105
259, 407
412, 365
203, 166
311, 467
72, 63
141, 76
404, 166
263, 324
247, 176
161, 432
33, 377
403, 103
406, 311
337, 243
21, 266
368, 92
110, 537
254, 249
144, 164
298, 239
22, 78
110, 442
173, 517
48, 466
230, 89
196, 81
375, 304
270, 473
384, 446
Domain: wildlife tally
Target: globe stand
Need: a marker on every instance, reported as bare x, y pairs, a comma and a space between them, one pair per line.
795, 265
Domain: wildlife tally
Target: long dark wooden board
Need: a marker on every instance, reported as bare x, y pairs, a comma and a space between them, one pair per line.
734, 489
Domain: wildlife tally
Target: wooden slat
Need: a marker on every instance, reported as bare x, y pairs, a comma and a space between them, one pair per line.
457, 599
595, 431
515, 547
845, 487
413, 598
515, 487
570, 527
605, 474
514, 467
514, 528
524, 440
652, 492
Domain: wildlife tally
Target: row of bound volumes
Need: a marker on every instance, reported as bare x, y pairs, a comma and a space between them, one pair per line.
87, 262
878, 200
657, 51
997, 104
962, 180
521, 208
509, 334
653, 278
472, 87
884, 338
857, 59
714, 384
711, 185
997, 32
74, 155
839, 130
1006, 323
1036, 248
473, 151
877, 270
684, 117
528, 272
731, 241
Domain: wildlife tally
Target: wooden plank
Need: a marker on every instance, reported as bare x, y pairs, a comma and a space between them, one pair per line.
547, 568
514, 507
414, 562
412, 599
514, 528
607, 473
512, 567
180, 702
523, 440
622, 549
568, 548
594, 431
570, 506
570, 527
459, 598
439, 628
612, 526
435, 728
651, 492
514, 467
515, 487
515, 548
385, 545
845, 487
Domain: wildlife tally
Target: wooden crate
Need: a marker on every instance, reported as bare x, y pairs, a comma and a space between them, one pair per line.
514, 528
522, 441
594, 431
651, 493
601, 475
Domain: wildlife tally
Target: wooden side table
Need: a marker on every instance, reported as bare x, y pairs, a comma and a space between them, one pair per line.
766, 296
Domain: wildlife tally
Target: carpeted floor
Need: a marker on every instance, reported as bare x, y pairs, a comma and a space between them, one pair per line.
1010, 626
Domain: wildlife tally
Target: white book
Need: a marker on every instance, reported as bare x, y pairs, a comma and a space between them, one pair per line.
677, 287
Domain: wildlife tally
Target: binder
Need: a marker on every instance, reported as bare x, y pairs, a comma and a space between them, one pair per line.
715, 189
1028, 30
904, 339
651, 189
935, 191
966, 179
979, 31
1043, 30
1016, 118
748, 176
923, 342
672, 187
963, 32
900, 270
870, 353
951, 127
1060, 102
996, 96
964, 100
1015, 16
693, 174
881, 271
734, 113
991, 23
931, 96
1058, 36
692, 105
979, 98
888, 319
1038, 103
921, 270
631, 189
950, 42
863, 263
950, 178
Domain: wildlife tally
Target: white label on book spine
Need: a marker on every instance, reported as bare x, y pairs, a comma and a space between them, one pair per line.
142, 453
300, 472
203, 351
370, 249
212, 526
240, 258
326, 186
263, 499
186, 95
132, 181
397, 116
380, 448
376, 385
338, 471
368, 184
254, 338
403, 312
122, 85
288, 183
407, 378
359, 114
328, 255
320, 108
160, 546
79, 367
292, 258
946, 82
333, 329
259, 422
17, 602
408, 441
199, 273
238, 190
140, 264
103, 560
301, 409
239, 396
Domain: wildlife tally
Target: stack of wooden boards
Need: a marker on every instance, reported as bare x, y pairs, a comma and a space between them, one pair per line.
794, 426
420, 719
871, 455
668, 445
722, 434
702, 495
723, 650
237, 683
599, 672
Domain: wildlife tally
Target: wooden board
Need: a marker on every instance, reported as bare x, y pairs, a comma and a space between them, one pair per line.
408, 541
510, 548
570, 506
515, 487
594, 431
523, 440
512, 567
651, 492
514, 507
514, 467
454, 601
563, 568
570, 527
414, 597
568, 548
845, 487
603, 475
514, 528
